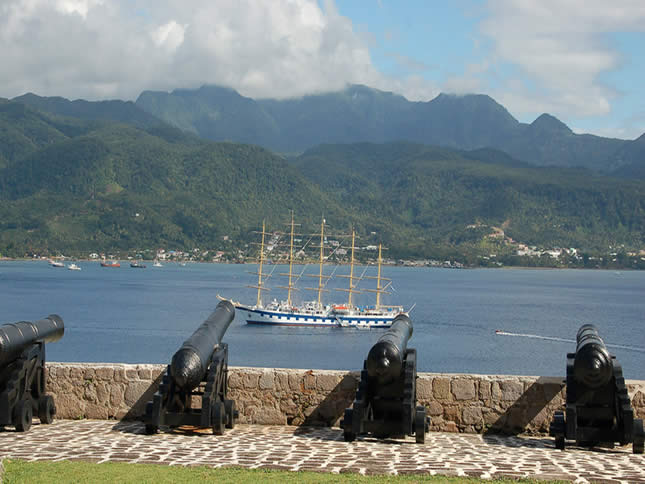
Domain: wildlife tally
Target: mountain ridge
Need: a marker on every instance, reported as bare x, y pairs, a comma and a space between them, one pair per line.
364, 114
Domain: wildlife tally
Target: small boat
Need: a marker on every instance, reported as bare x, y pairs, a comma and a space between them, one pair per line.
157, 264
137, 265
55, 263
110, 263
73, 267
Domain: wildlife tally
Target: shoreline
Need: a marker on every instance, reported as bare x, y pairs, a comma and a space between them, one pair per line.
538, 268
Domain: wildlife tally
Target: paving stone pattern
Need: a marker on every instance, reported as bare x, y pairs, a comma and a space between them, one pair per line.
322, 449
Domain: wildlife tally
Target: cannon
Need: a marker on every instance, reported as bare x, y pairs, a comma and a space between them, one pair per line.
22, 371
198, 368
385, 403
598, 410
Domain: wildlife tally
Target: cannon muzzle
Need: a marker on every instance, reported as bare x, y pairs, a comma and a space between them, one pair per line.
15, 337
592, 365
190, 362
385, 359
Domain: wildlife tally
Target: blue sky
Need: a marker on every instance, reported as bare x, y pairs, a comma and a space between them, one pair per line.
579, 60
447, 45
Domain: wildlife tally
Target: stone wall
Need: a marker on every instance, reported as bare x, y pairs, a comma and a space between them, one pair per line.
456, 403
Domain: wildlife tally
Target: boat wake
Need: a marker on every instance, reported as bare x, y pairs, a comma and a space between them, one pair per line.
499, 332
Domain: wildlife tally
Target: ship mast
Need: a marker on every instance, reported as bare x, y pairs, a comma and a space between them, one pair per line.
322, 258
352, 287
290, 286
260, 287
351, 273
379, 290
321, 276
378, 280
290, 263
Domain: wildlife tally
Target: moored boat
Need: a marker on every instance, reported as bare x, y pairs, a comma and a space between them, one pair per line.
137, 265
73, 267
55, 263
110, 263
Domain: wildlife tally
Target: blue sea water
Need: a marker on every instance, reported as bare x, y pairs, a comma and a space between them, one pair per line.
143, 316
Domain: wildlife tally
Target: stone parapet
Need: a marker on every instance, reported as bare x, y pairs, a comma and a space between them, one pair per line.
455, 402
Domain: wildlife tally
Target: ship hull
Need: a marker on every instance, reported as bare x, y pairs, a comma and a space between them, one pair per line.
281, 318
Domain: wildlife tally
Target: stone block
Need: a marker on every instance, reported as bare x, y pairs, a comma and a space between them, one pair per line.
449, 426
281, 380
310, 380
472, 416
326, 382
269, 416
102, 392
251, 380
441, 388
97, 411
452, 413
134, 391
267, 380
434, 408
349, 382
145, 374
235, 380
424, 389
511, 390
119, 375
490, 416
116, 394
495, 392
132, 374
76, 373
89, 393
463, 389
295, 382
104, 373
484, 390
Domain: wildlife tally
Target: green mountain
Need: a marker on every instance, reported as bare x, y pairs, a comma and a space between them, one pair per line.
630, 159
70, 184
435, 193
115, 110
363, 114
116, 186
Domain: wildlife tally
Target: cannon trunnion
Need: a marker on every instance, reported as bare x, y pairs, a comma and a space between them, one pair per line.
198, 368
598, 409
385, 403
22, 371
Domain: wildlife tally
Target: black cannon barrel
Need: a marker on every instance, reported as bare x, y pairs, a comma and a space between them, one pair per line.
385, 359
190, 362
15, 337
592, 365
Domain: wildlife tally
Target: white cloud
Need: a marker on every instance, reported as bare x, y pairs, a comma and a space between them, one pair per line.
561, 47
97, 49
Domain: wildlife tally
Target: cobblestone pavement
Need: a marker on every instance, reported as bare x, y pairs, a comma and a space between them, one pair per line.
322, 449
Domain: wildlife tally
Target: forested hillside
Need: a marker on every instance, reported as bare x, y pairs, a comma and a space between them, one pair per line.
73, 184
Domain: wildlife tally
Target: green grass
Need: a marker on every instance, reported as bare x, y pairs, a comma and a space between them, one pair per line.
17, 471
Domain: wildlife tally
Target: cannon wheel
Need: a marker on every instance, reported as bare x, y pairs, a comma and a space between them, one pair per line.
348, 435
558, 429
218, 417
639, 437
23, 413
420, 424
46, 409
229, 406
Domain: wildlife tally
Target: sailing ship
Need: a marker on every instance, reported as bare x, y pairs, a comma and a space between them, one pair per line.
316, 312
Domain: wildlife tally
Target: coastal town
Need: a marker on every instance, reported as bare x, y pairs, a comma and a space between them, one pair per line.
496, 249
